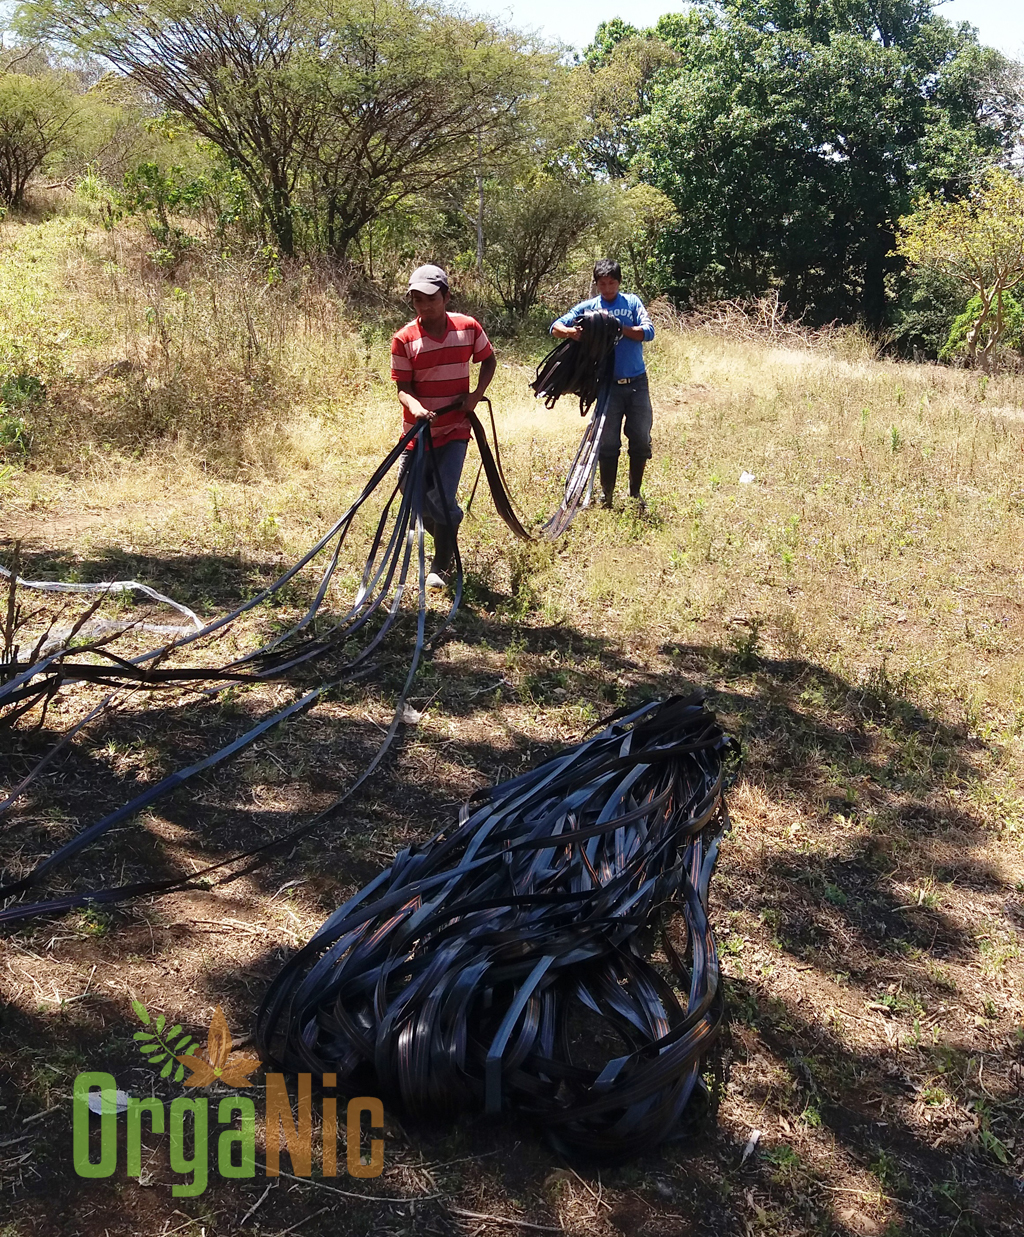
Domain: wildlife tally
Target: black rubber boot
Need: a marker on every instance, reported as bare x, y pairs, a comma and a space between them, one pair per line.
444, 552
609, 470
636, 476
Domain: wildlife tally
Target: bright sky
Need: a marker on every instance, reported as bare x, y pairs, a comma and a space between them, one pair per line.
1001, 22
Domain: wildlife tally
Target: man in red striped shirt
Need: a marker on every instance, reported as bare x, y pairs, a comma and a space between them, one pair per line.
430, 359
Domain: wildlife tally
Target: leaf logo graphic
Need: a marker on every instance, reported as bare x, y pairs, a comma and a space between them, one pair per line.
221, 1064
160, 1046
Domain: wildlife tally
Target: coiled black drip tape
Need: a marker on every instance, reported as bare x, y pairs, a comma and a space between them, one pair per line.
578, 366
504, 965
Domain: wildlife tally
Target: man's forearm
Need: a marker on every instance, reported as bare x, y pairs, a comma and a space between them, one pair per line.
565, 332
488, 369
483, 381
413, 406
634, 332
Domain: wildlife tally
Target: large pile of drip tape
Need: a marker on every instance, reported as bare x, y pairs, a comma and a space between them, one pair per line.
505, 964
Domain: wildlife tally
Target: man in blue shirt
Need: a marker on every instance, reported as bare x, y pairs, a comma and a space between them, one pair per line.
629, 399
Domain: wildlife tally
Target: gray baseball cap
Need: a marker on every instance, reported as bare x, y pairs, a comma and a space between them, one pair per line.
428, 279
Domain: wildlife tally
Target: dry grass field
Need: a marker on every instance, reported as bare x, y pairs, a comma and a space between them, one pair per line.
853, 613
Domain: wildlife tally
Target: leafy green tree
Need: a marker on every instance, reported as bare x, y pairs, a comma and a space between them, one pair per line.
420, 96
228, 69
614, 87
156, 193
927, 304
36, 115
979, 241
607, 37
638, 216
1002, 328
795, 133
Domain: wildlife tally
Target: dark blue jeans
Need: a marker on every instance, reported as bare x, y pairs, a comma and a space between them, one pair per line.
629, 408
444, 471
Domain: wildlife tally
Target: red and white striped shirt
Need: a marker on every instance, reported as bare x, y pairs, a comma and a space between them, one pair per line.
439, 370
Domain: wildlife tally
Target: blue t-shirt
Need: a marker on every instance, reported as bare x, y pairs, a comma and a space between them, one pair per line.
629, 309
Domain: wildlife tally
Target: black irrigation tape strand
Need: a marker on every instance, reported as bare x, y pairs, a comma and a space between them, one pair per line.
393, 576
583, 368
41, 764
579, 482
502, 964
51, 666
121, 893
491, 463
151, 794
134, 670
386, 573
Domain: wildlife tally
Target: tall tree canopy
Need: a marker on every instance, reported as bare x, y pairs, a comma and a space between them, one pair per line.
795, 133
614, 89
330, 109
782, 140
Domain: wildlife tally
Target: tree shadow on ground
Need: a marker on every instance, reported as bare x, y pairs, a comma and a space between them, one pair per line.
867, 927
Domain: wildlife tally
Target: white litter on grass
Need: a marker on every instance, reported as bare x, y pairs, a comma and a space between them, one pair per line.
752, 1141
409, 716
746, 477
96, 1099
107, 587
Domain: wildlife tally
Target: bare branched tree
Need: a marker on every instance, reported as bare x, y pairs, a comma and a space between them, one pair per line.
532, 229
332, 110
36, 113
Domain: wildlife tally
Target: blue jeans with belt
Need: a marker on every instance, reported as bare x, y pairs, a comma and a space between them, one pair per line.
629, 408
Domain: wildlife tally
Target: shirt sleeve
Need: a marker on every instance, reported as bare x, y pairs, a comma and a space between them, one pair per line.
481, 344
572, 317
643, 319
401, 365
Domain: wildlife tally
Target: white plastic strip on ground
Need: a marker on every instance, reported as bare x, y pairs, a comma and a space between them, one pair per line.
111, 586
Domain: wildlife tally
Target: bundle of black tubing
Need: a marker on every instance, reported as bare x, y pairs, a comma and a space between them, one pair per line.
502, 965
395, 566
581, 367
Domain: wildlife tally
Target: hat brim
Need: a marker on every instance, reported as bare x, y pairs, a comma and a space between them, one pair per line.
428, 289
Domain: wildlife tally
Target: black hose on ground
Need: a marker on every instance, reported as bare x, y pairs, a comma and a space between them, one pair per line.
387, 577
396, 564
